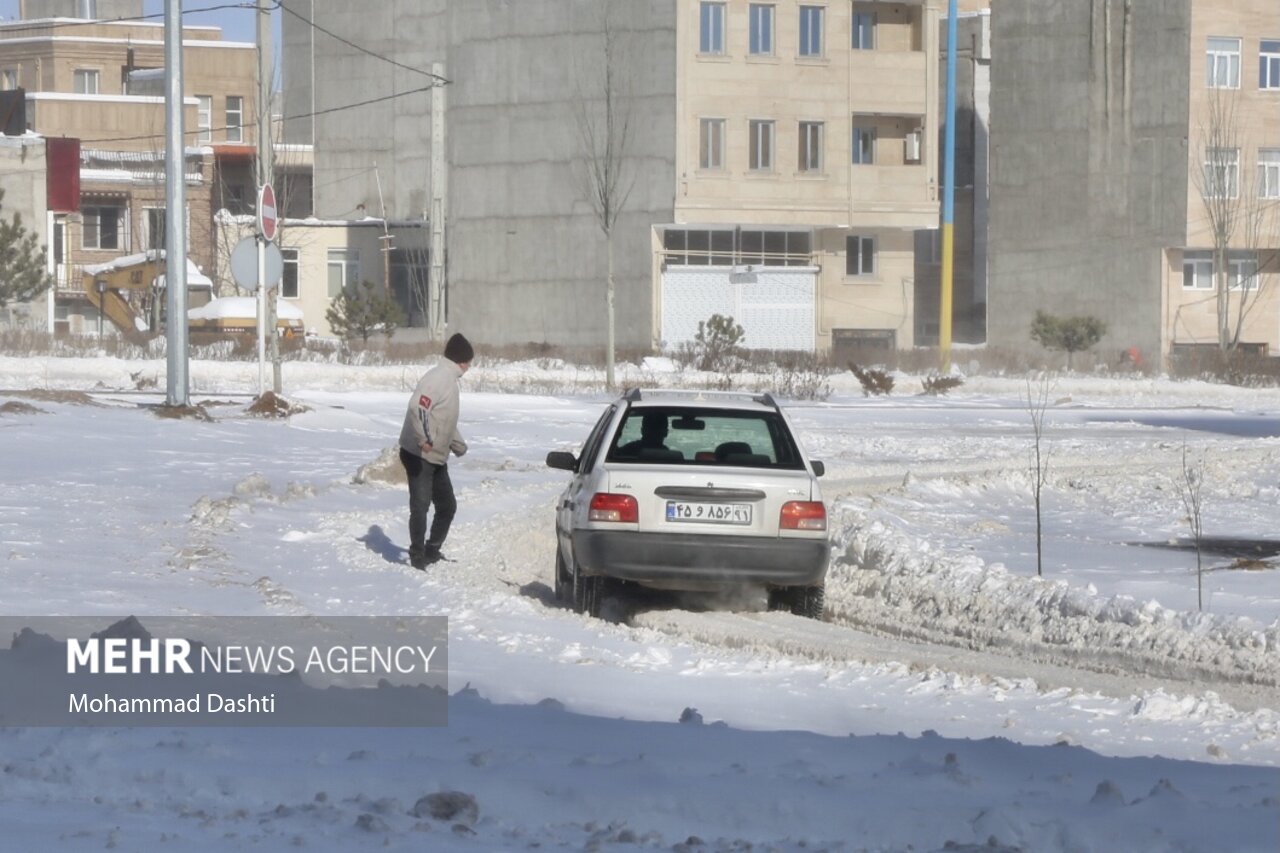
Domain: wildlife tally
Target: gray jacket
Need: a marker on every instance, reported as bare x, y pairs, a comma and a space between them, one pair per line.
432, 415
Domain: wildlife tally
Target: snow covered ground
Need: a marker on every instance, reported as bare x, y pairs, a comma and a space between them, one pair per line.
950, 700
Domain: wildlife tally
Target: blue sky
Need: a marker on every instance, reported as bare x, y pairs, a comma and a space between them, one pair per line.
237, 24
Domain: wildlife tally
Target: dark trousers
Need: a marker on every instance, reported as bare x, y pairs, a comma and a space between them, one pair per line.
428, 485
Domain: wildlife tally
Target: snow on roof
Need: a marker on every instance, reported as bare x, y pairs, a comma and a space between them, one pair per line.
195, 278
123, 261
242, 308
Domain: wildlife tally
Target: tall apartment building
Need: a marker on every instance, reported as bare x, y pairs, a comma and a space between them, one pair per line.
780, 158
1109, 156
100, 82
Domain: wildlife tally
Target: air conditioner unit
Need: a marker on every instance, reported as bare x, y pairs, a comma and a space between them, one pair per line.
911, 147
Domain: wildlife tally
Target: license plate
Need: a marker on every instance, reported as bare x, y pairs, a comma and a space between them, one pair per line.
709, 513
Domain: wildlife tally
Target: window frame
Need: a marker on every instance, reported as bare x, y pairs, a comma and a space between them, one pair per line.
80, 78
811, 141
346, 262
761, 145
1269, 65
121, 229
706, 148
1197, 266
1230, 168
1237, 261
863, 24
235, 129
1215, 55
711, 24
862, 247
811, 31
761, 18
204, 118
857, 134
290, 255
1269, 173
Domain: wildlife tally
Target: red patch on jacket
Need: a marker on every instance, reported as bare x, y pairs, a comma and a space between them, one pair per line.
424, 401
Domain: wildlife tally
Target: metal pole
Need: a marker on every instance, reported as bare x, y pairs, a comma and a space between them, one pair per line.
439, 206
175, 232
266, 175
948, 197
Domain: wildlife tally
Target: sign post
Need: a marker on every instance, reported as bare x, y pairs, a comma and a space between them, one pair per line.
266, 233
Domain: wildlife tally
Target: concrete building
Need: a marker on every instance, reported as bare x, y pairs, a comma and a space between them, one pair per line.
1101, 168
780, 159
24, 170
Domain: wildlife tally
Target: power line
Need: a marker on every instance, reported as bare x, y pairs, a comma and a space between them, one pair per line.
441, 80
254, 124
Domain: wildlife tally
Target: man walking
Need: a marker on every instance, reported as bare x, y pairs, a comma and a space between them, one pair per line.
429, 434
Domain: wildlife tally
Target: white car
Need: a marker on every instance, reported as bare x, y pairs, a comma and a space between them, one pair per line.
692, 490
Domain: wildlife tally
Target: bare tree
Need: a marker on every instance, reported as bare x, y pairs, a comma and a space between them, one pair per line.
604, 130
1190, 486
1238, 215
1037, 401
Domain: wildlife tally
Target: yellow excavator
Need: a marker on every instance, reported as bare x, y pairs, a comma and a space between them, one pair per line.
122, 290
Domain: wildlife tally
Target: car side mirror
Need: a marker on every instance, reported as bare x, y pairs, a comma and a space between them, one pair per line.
562, 460
818, 468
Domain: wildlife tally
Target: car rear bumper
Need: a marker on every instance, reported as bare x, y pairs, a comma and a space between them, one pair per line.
682, 561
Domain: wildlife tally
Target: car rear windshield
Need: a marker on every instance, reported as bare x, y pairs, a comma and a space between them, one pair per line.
685, 436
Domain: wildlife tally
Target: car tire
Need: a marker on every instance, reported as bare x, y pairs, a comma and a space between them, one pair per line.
563, 580
588, 593
806, 601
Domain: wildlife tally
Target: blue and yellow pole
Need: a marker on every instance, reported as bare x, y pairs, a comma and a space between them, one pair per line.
948, 197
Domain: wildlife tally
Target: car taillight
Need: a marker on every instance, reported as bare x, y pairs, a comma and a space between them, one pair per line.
620, 508
803, 515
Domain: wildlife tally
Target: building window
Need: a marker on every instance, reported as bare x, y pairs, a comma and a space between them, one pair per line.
204, 118
711, 143
103, 227
1222, 172
1222, 63
860, 255
8, 79
811, 30
698, 246
86, 81
864, 30
1269, 173
1242, 270
1197, 270
1269, 65
344, 270
711, 38
761, 29
155, 223
723, 247
761, 148
774, 248
235, 118
289, 278
864, 145
810, 146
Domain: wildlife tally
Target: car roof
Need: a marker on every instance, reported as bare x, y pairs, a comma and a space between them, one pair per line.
694, 398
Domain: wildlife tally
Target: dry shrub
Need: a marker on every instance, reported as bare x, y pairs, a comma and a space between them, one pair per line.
938, 385
874, 381
1211, 364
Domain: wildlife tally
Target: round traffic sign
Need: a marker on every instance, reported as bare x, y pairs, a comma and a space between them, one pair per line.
267, 219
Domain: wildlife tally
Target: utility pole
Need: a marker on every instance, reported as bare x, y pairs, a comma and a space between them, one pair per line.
948, 197
175, 232
439, 205
265, 176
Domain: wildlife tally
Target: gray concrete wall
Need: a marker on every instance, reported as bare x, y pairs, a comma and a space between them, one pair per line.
108, 10
526, 255
1088, 163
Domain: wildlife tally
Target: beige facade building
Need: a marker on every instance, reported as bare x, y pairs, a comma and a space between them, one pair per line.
806, 161
101, 83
